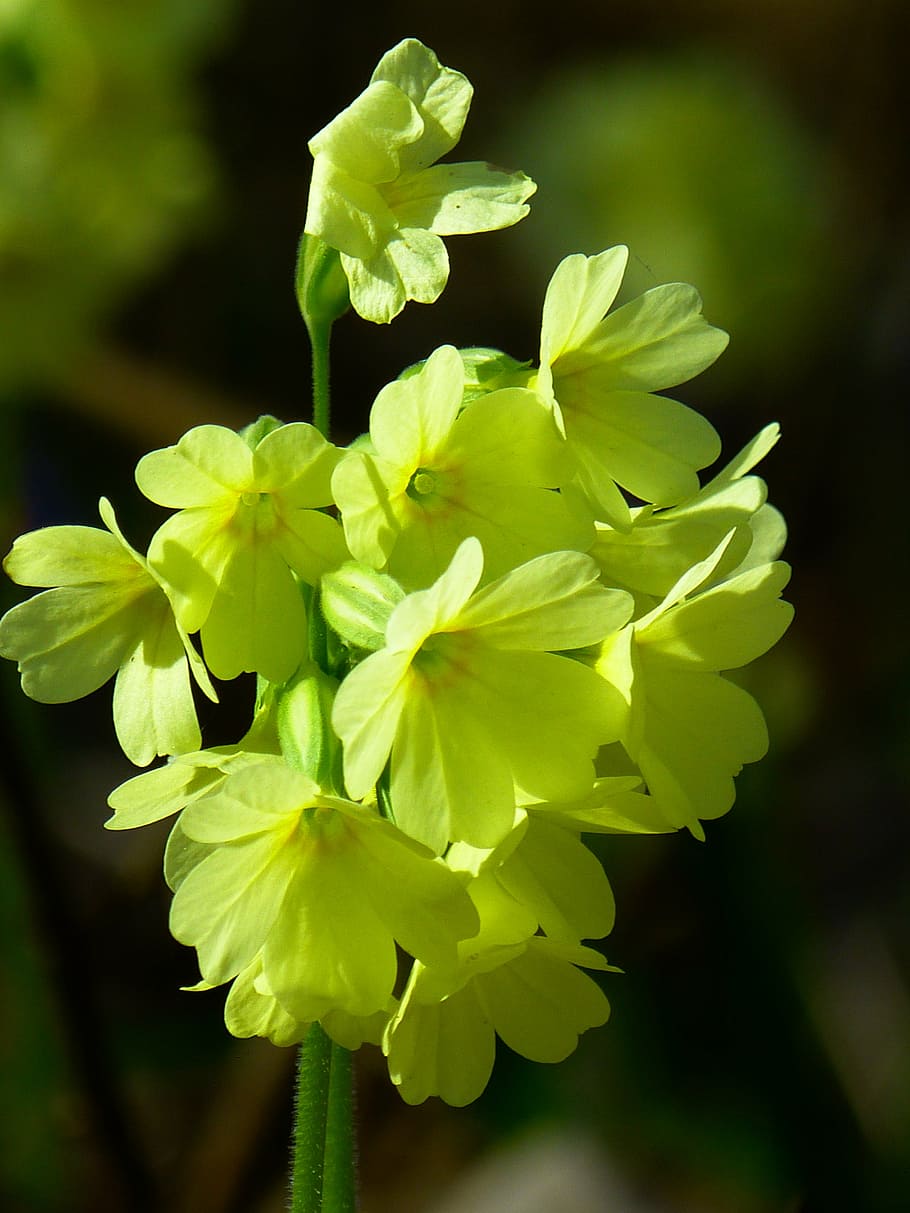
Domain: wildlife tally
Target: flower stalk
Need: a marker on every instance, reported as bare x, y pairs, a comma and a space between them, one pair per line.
323, 1177
323, 1171
322, 295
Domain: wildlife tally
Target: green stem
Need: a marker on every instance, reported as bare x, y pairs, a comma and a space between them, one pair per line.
323, 1179
339, 1175
320, 331
323, 1175
322, 296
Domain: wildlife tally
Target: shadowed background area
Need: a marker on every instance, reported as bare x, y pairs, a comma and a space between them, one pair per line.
153, 176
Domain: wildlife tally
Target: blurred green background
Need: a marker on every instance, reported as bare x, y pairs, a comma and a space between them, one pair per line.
153, 176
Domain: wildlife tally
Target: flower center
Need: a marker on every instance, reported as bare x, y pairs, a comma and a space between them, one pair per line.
422, 484
319, 827
444, 658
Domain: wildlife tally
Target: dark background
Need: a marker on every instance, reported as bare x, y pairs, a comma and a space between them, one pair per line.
153, 177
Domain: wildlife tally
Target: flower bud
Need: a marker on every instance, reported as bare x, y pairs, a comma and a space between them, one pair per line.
254, 433
308, 741
357, 602
322, 288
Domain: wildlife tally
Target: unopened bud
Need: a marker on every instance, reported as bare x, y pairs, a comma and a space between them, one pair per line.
322, 288
357, 602
304, 714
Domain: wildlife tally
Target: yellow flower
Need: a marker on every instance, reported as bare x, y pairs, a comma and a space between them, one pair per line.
248, 522
472, 698
105, 613
601, 373
375, 197
438, 473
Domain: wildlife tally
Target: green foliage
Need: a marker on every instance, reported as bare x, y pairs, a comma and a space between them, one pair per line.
82, 215
693, 157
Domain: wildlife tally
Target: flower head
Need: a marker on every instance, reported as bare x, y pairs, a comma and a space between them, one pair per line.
375, 197
251, 1009
472, 699
248, 526
317, 888
105, 613
438, 473
661, 545
531, 994
689, 729
549, 871
600, 374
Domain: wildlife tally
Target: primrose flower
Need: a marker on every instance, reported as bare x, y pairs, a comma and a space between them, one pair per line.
689, 729
106, 612
318, 888
472, 701
250, 1009
375, 197
600, 375
532, 994
549, 871
248, 527
614, 805
163, 792
437, 473
662, 545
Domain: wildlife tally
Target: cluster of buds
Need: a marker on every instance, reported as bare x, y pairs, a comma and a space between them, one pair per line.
494, 624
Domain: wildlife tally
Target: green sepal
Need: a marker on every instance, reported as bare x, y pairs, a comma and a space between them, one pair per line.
303, 715
356, 602
320, 283
485, 370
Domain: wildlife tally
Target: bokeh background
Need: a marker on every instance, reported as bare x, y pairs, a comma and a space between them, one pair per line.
153, 176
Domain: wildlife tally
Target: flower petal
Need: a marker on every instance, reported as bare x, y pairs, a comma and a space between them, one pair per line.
154, 711
432, 609
456, 199
580, 292
546, 715
347, 214
726, 626
257, 621
365, 139
365, 716
657, 340
249, 1013
554, 602
208, 464
328, 945
650, 445
412, 418
449, 780
555, 874
69, 555
226, 906
68, 642
445, 1049
441, 95
539, 1004
296, 463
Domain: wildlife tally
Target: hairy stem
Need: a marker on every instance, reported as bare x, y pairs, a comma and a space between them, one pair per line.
320, 332
323, 1174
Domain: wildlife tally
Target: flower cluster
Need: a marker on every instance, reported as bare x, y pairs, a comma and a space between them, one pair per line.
497, 623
